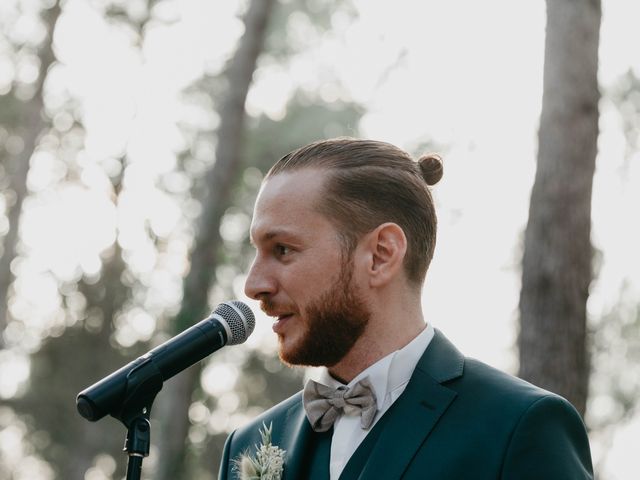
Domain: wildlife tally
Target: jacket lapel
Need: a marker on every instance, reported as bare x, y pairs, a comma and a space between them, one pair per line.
295, 440
422, 404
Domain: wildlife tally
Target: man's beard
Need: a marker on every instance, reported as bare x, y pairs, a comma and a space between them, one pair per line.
334, 322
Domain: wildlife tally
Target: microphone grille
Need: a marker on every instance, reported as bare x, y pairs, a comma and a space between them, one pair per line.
239, 318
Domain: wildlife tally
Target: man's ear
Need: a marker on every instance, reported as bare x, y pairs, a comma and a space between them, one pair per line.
386, 248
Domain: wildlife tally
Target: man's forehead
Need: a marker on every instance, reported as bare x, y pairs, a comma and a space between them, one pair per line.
286, 202
289, 190
305, 180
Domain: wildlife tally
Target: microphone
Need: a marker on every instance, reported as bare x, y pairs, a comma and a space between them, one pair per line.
230, 323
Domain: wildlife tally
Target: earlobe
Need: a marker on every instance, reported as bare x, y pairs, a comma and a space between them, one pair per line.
387, 247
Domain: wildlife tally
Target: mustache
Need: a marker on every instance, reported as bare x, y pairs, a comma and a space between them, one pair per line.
267, 306
272, 309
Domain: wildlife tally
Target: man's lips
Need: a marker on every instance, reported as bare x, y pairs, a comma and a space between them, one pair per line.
281, 321
279, 314
275, 312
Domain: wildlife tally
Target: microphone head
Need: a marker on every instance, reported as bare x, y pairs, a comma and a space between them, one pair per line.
238, 317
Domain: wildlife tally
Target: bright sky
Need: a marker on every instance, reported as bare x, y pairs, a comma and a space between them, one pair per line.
466, 75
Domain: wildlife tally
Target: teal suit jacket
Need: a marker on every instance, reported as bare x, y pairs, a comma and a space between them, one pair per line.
458, 419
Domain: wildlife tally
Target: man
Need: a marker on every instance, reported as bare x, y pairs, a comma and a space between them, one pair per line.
344, 232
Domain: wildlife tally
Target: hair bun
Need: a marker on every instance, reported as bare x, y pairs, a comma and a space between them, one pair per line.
431, 168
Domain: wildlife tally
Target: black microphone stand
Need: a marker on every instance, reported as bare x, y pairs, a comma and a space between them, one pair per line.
137, 445
143, 384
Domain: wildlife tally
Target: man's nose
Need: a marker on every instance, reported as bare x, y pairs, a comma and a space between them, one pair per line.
260, 281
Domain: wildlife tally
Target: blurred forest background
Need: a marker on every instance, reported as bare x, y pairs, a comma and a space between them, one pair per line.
133, 139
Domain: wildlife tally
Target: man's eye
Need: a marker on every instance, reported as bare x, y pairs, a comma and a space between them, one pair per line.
282, 250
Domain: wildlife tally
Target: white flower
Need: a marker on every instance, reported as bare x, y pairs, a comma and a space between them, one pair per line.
267, 464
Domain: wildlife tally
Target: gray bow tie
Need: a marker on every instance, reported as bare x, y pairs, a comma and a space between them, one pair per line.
324, 405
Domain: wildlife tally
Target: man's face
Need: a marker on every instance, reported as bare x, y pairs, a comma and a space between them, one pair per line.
300, 273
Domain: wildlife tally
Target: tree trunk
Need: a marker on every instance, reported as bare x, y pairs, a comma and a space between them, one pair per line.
556, 268
174, 411
32, 124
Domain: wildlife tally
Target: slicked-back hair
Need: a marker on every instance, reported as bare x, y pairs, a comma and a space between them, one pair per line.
369, 183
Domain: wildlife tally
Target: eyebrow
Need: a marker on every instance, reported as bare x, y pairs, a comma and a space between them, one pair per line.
271, 234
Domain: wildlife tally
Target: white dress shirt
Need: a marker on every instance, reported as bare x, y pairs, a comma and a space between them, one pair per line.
389, 377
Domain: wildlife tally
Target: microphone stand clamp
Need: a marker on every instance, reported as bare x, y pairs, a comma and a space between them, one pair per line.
143, 384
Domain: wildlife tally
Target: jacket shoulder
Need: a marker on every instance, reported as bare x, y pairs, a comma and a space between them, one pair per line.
500, 392
517, 429
479, 373
474, 380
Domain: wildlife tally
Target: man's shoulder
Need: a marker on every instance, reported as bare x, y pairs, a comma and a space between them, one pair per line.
493, 390
478, 373
512, 428
471, 378
481, 388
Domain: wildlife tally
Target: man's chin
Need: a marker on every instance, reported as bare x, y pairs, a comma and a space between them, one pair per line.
292, 356
293, 361
290, 361
286, 353
295, 356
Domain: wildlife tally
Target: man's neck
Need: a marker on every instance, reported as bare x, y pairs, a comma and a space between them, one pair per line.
374, 344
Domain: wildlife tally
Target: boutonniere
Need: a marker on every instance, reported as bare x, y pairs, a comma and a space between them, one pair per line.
267, 464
